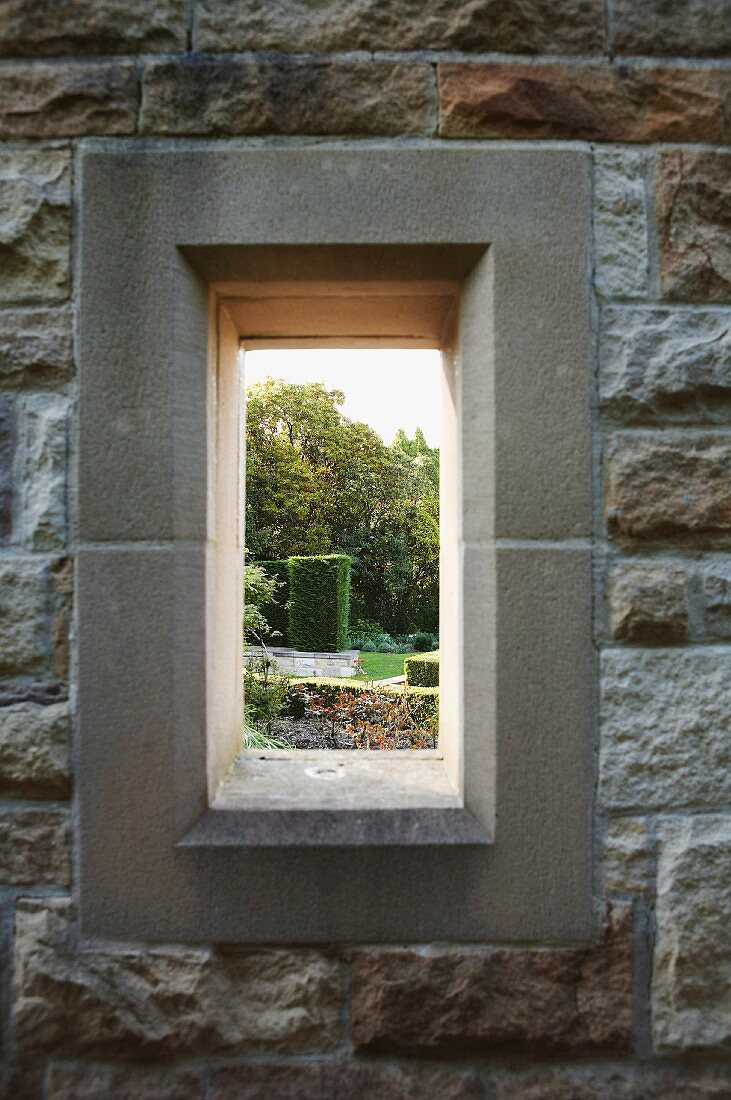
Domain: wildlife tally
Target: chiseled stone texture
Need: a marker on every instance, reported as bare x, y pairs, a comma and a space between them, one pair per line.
620, 223
663, 28
93, 1082
694, 214
691, 985
660, 364
35, 847
665, 718
43, 479
35, 751
551, 1001
7, 458
35, 216
593, 102
616, 1083
142, 1001
341, 1081
36, 346
33, 28
716, 596
24, 609
626, 856
669, 488
297, 26
239, 96
73, 98
648, 602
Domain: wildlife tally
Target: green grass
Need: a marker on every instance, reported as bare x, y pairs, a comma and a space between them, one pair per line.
381, 666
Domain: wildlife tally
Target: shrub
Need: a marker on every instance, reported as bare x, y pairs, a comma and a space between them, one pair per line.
368, 647
422, 671
259, 592
424, 641
373, 720
319, 602
423, 701
276, 609
266, 691
362, 631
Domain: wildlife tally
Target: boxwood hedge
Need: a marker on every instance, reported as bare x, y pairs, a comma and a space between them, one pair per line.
319, 602
422, 670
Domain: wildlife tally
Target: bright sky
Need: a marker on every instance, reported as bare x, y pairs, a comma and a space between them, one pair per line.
388, 389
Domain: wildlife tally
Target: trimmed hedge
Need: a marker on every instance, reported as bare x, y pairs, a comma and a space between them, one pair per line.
422, 670
277, 614
319, 602
423, 701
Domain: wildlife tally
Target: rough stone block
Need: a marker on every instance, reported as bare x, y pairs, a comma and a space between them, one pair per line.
615, 1083
341, 1081
50, 99
716, 595
90, 1082
648, 602
550, 1001
35, 847
626, 856
296, 26
35, 199
43, 493
35, 751
237, 96
24, 608
691, 986
36, 346
669, 488
588, 101
33, 28
694, 214
620, 223
134, 1003
665, 718
7, 458
666, 364
667, 28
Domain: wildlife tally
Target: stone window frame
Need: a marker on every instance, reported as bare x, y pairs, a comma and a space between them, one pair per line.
167, 235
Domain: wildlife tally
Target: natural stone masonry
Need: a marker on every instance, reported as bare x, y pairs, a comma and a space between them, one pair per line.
35, 200
665, 364
341, 1081
24, 609
35, 847
716, 596
7, 457
694, 214
44, 474
615, 1083
139, 1002
236, 96
551, 1001
648, 603
686, 28
668, 488
664, 727
36, 346
620, 223
80, 1082
32, 28
626, 856
35, 758
593, 102
296, 26
691, 986
50, 99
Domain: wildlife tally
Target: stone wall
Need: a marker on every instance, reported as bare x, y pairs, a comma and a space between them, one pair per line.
294, 662
644, 1012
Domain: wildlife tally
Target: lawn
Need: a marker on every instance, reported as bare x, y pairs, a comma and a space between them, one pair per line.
381, 666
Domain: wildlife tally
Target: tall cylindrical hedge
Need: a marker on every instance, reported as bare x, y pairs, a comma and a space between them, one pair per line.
319, 602
276, 613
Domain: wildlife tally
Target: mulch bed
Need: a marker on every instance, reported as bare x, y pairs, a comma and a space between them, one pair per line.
309, 733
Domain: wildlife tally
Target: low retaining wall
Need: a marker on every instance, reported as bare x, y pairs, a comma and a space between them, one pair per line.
311, 664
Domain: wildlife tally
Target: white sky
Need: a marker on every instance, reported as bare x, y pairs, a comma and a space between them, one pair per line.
388, 389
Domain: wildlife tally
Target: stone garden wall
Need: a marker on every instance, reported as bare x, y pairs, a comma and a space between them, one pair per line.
644, 1012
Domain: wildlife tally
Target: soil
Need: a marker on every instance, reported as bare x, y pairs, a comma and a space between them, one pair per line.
309, 733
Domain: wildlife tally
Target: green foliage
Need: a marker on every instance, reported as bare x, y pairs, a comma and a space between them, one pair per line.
423, 641
423, 702
275, 609
362, 631
319, 602
422, 670
259, 594
266, 691
252, 738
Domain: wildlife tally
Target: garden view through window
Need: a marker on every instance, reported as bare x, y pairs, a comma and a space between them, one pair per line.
341, 575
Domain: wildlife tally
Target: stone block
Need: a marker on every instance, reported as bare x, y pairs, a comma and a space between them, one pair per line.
694, 215
615, 1083
296, 26
35, 847
90, 1082
583, 101
691, 984
7, 459
36, 346
62, 587
35, 760
24, 609
238, 96
341, 1081
34, 28
669, 488
666, 364
667, 28
716, 597
134, 1002
574, 1001
44, 465
52, 99
626, 856
648, 602
35, 198
664, 720
620, 223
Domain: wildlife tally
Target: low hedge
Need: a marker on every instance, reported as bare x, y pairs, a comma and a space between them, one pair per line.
277, 614
319, 602
423, 701
422, 670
